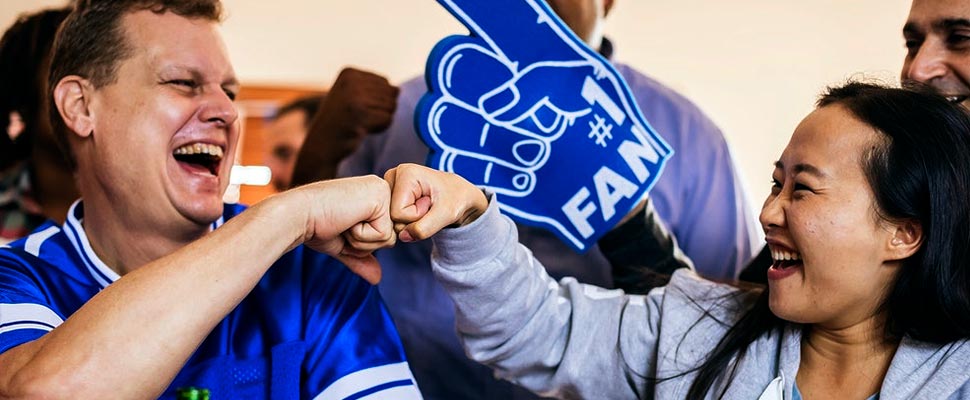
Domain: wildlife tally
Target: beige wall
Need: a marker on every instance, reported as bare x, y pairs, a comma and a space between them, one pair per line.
754, 65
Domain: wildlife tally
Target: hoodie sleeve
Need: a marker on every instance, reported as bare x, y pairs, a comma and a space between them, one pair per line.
562, 339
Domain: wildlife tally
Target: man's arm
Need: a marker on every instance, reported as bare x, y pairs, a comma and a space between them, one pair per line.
358, 104
642, 252
131, 339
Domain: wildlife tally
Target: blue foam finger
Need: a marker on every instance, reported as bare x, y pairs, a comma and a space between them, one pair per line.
488, 21
536, 110
470, 134
464, 58
505, 179
525, 108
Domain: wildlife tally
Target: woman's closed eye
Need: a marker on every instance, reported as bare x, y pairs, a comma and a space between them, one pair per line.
776, 186
800, 190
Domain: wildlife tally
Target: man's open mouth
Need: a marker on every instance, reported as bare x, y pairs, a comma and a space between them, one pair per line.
200, 157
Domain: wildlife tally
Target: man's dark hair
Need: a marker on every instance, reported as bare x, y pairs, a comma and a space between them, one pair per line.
308, 104
92, 43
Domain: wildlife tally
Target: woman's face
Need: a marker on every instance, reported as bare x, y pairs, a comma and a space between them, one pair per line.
833, 254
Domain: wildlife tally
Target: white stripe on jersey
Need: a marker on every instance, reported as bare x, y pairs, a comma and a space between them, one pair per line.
79, 239
24, 325
27, 316
395, 393
368, 378
35, 240
217, 223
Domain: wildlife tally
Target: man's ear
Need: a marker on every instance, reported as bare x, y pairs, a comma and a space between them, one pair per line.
607, 6
73, 101
906, 239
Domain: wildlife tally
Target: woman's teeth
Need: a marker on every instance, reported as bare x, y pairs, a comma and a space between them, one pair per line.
782, 255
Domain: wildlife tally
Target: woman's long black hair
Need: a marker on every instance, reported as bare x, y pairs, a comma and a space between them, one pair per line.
919, 173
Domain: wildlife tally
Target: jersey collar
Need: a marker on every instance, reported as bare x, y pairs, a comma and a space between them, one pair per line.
98, 270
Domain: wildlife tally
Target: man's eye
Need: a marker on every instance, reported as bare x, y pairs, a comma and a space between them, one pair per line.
957, 39
283, 153
230, 94
800, 187
913, 44
183, 82
912, 47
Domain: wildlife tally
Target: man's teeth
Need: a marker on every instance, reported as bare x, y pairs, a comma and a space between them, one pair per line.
956, 99
781, 255
200, 148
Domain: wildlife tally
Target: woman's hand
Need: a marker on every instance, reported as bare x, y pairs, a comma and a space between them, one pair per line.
424, 201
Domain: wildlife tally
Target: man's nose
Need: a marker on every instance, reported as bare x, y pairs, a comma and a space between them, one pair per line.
219, 108
930, 62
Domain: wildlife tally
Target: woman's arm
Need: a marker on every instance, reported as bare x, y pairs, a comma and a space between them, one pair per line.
560, 339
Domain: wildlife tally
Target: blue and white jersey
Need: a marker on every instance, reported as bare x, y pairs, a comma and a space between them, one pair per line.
309, 329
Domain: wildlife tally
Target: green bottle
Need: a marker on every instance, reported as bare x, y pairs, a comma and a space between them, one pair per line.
191, 393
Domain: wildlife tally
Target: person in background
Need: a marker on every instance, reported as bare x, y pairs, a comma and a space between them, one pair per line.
358, 104
938, 47
153, 283
868, 223
361, 103
285, 133
36, 182
699, 196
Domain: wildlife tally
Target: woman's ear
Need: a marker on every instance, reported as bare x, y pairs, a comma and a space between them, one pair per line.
906, 239
72, 98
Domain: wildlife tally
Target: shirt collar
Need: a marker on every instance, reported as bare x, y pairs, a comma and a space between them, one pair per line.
74, 229
98, 270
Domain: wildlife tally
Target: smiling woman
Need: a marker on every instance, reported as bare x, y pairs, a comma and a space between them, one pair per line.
868, 297
866, 211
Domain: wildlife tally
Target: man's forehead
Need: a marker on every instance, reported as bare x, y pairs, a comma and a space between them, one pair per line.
179, 45
926, 13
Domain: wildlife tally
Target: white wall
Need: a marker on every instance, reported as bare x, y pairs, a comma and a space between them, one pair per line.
755, 66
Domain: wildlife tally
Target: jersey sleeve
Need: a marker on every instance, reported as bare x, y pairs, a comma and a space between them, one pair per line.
353, 349
25, 312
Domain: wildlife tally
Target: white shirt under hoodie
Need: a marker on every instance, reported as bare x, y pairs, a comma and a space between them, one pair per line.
569, 340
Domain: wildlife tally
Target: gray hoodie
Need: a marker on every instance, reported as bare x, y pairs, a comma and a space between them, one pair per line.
570, 340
